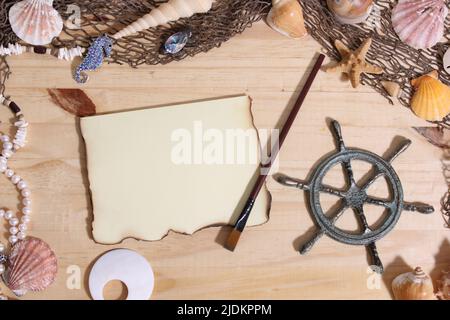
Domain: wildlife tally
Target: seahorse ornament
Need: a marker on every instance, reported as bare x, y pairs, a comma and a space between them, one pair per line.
99, 50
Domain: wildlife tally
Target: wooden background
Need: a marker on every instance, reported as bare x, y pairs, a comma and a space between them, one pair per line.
269, 68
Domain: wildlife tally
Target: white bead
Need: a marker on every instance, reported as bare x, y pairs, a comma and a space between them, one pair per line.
23, 227
4, 138
3, 160
2, 213
26, 192
26, 210
13, 230
12, 239
7, 153
9, 214
3, 167
21, 185
25, 219
26, 202
14, 221
9, 173
21, 235
15, 179
2, 247
7, 145
2, 268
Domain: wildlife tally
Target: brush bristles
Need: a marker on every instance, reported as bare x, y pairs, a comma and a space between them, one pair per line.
233, 239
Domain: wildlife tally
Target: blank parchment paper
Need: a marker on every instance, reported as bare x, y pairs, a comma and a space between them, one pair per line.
180, 168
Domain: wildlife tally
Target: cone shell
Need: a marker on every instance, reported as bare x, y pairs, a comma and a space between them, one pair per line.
420, 23
350, 11
166, 12
35, 21
286, 17
32, 266
444, 286
416, 285
432, 98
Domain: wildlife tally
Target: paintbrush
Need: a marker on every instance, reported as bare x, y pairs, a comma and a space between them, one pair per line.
243, 217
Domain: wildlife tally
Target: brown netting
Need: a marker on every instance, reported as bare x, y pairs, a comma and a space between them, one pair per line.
226, 19
400, 62
230, 17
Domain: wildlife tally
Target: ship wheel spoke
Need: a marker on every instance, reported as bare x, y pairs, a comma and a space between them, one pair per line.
349, 172
362, 219
379, 202
332, 190
319, 233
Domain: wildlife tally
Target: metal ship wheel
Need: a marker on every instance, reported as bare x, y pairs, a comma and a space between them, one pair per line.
354, 197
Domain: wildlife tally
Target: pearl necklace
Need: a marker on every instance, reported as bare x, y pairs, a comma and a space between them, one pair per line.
17, 228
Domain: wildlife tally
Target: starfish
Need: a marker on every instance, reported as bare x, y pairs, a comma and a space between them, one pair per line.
354, 63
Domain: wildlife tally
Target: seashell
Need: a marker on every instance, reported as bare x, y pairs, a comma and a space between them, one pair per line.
392, 88
415, 285
444, 286
446, 61
166, 12
432, 98
420, 23
286, 17
35, 21
32, 266
351, 11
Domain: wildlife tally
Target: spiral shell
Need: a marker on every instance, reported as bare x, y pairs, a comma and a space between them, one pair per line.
32, 266
35, 21
431, 100
350, 11
420, 23
416, 285
166, 12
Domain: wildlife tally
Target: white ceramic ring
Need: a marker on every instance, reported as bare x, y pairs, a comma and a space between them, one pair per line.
124, 265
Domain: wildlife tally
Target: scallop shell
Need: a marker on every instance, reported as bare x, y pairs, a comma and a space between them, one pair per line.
444, 286
286, 17
416, 285
32, 266
350, 11
432, 98
420, 23
35, 21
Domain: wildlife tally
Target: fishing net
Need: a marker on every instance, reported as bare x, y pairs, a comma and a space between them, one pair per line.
86, 19
400, 62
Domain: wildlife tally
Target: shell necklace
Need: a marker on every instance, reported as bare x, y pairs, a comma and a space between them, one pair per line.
38, 266
17, 228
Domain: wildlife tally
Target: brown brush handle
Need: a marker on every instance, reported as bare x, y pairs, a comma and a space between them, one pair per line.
240, 224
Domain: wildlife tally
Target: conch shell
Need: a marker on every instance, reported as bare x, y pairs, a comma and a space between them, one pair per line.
286, 17
35, 21
32, 266
432, 98
419, 23
416, 285
166, 12
444, 286
350, 11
